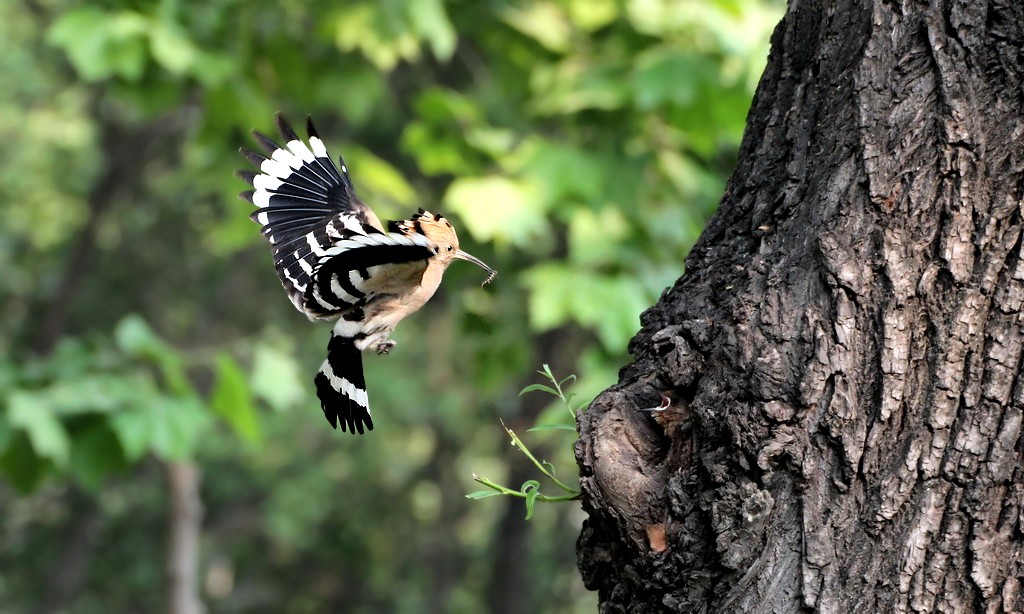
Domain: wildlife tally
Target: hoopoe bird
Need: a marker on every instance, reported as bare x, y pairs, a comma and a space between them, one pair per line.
337, 261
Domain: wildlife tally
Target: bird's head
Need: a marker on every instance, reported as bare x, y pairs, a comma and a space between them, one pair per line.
443, 239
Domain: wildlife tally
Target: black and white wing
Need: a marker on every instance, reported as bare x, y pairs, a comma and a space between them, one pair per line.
305, 205
360, 267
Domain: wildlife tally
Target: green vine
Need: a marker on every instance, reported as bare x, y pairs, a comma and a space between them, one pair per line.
530, 490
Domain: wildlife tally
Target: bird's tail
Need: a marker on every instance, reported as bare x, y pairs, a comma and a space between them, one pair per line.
341, 387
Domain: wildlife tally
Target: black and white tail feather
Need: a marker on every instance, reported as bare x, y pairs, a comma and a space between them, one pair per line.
337, 261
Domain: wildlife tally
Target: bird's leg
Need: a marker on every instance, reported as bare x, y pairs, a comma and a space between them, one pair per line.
384, 345
377, 336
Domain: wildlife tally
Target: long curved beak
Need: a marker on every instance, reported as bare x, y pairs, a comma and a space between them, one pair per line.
491, 273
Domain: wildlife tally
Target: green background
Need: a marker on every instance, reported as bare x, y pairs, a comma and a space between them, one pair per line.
577, 145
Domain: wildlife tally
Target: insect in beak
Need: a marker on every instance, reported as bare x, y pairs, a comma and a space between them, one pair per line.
491, 273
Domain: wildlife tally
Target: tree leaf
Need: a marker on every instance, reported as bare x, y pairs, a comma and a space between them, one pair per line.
483, 494
176, 425
611, 304
96, 454
667, 75
231, 400
23, 467
172, 49
553, 427
531, 488
170, 427
6, 432
28, 412
577, 84
80, 33
93, 393
566, 172
521, 222
275, 377
101, 44
134, 337
134, 431
536, 387
591, 15
379, 176
429, 19
543, 21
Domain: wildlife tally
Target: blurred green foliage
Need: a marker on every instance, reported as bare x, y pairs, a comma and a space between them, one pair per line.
578, 145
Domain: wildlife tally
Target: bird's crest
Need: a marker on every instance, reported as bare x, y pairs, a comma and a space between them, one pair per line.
430, 225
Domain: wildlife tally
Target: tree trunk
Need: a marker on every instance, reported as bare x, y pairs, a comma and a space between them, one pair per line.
183, 480
843, 352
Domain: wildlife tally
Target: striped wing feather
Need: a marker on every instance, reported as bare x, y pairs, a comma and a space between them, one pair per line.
332, 254
305, 206
357, 269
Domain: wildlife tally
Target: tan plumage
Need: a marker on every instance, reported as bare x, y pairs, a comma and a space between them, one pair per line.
337, 261
404, 289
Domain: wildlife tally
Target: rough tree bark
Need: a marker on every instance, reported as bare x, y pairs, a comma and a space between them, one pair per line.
844, 350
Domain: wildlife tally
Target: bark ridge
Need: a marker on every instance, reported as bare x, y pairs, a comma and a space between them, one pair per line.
844, 351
